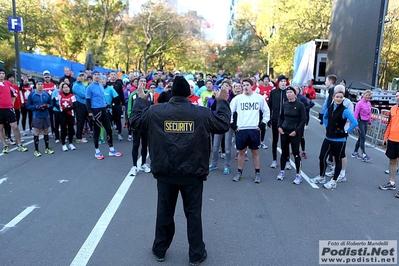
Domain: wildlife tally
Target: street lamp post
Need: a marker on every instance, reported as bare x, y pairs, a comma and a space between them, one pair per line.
17, 58
272, 31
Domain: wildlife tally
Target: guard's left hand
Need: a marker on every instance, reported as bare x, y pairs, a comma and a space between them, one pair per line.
141, 92
223, 94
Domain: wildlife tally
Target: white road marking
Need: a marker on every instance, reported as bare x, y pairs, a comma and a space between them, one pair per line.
18, 218
63, 181
88, 247
3, 180
324, 195
304, 176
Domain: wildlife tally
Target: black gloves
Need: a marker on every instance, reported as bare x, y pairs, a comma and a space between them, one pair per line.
233, 126
262, 126
269, 124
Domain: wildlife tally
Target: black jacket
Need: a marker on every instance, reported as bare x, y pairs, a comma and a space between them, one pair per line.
276, 100
179, 137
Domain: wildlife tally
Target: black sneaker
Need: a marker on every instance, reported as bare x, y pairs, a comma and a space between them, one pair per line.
158, 258
388, 186
196, 263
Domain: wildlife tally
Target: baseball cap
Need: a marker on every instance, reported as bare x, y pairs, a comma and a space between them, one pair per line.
46, 73
80, 74
95, 72
177, 72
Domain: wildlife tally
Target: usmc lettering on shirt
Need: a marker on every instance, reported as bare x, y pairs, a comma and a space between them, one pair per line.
179, 126
249, 106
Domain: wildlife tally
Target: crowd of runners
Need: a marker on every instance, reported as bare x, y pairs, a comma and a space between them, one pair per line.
98, 105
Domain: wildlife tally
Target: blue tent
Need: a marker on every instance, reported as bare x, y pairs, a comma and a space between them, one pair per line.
54, 64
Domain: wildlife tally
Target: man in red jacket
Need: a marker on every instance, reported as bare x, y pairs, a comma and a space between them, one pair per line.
7, 114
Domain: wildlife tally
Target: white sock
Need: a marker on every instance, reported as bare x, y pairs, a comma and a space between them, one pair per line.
111, 149
342, 172
97, 150
392, 182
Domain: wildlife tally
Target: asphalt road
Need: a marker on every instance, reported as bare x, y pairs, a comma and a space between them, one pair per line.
71, 209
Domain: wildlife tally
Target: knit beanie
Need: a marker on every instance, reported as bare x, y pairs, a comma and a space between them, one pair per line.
181, 87
281, 77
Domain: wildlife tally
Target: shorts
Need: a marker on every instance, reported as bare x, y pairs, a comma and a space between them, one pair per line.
41, 123
248, 138
7, 115
392, 151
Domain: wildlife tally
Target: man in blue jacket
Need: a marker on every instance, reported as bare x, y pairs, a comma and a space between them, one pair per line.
39, 102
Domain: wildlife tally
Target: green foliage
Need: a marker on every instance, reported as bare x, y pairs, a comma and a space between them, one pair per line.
7, 55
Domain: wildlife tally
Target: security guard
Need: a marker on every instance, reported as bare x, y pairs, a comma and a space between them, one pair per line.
179, 145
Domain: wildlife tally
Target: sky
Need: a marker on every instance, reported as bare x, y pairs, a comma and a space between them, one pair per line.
216, 12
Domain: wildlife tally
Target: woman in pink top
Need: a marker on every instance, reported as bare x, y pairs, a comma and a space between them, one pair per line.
363, 115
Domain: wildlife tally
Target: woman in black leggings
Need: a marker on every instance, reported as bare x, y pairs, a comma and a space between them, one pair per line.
334, 120
290, 126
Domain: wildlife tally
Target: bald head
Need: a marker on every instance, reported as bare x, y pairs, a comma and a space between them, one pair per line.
339, 88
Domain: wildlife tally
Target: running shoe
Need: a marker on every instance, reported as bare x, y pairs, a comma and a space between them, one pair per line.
297, 180
48, 151
101, 141
246, 157
64, 147
120, 138
99, 155
226, 171
397, 195
145, 168
257, 178
223, 155
331, 173
304, 155
134, 170
57, 141
22, 148
263, 145
366, 159
237, 177
274, 164
281, 176
37, 153
330, 163
341, 178
388, 186
115, 153
288, 166
82, 140
129, 138
212, 167
354, 154
11, 141
6, 149
71, 147
330, 184
24, 133
387, 172
318, 180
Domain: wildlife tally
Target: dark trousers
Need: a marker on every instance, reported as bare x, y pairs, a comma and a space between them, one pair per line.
363, 126
26, 114
165, 225
57, 123
67, 123
100, 118
275, 136
116, 117
286, 140
81, 114
137, 135
337, 149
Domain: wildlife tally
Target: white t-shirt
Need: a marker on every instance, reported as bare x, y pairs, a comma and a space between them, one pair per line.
247, 108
